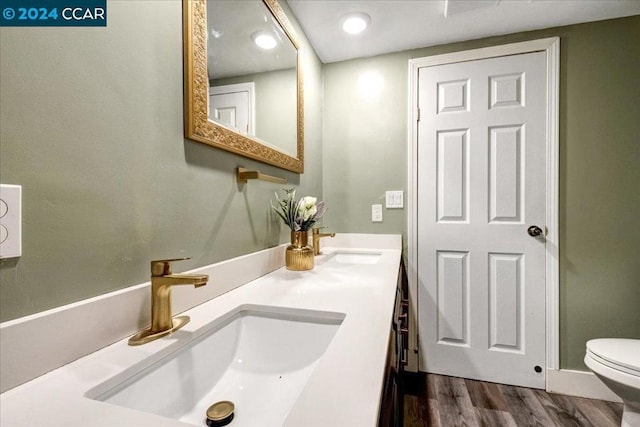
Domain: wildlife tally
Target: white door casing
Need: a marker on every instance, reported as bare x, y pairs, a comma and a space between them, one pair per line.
505, 270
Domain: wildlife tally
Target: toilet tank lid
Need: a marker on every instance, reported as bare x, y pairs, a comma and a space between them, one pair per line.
621, 351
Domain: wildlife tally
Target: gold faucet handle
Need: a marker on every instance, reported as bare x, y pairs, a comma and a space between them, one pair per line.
316, 230
162, 267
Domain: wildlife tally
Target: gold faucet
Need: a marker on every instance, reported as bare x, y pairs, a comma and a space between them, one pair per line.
317, 235
162, 279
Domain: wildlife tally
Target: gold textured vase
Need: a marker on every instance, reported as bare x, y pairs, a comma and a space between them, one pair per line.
299, 255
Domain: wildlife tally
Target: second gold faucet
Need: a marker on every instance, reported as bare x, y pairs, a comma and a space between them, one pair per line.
317, 235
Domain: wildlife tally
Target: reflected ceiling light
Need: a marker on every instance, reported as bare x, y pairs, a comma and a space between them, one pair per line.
264, 40
355, 23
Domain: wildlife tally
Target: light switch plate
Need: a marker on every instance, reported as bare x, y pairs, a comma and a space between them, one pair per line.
394, 199
376, 213
10, 221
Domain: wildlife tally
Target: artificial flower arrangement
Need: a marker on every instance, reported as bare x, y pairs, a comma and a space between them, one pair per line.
299, 215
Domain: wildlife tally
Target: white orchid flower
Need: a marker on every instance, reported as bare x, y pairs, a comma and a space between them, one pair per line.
299, 215
307, 207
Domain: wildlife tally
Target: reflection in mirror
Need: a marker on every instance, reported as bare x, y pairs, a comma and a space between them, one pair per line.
252, 72
252, 101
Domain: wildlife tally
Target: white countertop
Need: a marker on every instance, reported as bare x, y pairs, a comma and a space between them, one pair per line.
344, 389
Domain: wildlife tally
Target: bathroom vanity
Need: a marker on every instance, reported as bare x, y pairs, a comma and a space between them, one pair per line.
289, 348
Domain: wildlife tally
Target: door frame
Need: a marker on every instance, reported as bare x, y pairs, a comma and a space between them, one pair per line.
551, 46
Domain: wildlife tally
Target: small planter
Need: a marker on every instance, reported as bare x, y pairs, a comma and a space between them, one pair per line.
299, 255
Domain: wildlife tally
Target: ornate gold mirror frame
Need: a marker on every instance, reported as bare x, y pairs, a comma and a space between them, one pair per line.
198, 127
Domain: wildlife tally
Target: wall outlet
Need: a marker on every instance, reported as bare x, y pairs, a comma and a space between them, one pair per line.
10, 221
376, 213
394, 199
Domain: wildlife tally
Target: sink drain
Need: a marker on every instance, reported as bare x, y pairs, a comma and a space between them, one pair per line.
220, 413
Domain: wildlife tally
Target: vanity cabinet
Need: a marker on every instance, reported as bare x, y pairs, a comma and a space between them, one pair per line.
391, 408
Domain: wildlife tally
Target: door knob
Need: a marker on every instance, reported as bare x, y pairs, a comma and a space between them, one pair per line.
534, 231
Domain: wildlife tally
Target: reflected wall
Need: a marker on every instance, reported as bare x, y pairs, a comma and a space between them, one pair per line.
275, 104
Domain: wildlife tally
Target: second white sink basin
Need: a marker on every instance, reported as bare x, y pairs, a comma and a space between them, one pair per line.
344, 257
258, 357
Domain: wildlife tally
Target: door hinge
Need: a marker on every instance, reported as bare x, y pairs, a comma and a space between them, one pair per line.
418, 115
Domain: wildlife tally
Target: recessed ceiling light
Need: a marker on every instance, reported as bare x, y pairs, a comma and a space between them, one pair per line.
356, 22
264, 40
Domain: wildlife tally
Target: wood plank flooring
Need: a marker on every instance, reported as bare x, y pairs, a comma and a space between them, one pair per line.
441, 401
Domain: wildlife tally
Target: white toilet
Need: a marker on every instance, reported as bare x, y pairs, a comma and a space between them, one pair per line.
616, 362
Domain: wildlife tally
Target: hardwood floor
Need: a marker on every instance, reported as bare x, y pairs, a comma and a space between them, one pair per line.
441, 401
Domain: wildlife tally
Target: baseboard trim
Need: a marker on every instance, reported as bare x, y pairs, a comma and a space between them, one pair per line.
578, 383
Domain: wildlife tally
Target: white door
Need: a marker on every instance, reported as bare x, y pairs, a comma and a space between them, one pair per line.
481, 185
233, 106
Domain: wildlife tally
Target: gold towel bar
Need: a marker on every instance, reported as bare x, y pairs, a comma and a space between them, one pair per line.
243, 175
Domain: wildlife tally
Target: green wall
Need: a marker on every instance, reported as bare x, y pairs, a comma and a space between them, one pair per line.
91, 125
365, 153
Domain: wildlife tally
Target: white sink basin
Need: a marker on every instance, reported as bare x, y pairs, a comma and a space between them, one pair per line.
344, 257
258, 357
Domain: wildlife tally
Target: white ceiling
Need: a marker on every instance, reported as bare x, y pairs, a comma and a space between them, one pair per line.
398, 25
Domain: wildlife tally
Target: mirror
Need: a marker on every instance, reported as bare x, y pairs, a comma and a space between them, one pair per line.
238, 96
